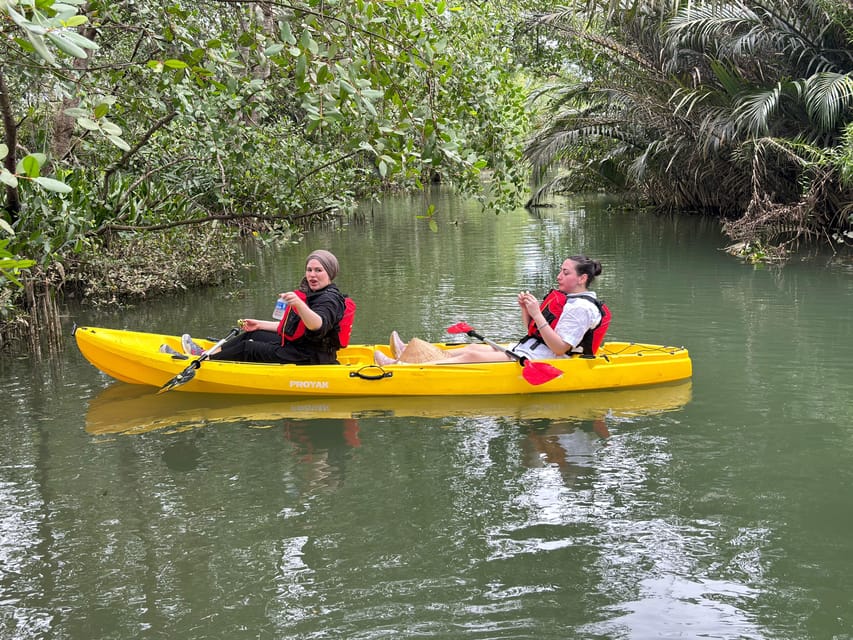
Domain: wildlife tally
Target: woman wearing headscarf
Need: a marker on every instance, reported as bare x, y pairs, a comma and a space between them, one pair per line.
308, 332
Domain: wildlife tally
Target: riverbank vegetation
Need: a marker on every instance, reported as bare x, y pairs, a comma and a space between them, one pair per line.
134, 131
741, 110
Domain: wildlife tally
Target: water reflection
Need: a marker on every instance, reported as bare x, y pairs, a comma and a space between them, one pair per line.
563, 431
181, 456
583, 505
321, 448
673, 606
129, 409
569, 447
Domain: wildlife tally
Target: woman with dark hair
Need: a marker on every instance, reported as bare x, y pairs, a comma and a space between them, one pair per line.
561, 325
308, 333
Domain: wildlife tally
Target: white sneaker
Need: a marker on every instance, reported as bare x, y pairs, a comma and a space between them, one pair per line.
190, 347
397, 345
381, 359
164, 348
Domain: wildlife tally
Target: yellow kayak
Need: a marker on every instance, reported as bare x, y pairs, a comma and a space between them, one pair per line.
134, 357
130, 409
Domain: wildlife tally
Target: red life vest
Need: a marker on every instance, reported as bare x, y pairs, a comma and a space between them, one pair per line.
552, 309
291, 327
345, 325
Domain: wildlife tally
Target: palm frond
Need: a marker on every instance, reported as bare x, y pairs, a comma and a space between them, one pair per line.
755, 109
828, 96
732, 83
703, 26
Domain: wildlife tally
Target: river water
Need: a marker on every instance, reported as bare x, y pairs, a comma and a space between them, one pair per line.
715, 508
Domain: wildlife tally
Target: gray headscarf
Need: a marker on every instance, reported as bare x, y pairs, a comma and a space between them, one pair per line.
327, 259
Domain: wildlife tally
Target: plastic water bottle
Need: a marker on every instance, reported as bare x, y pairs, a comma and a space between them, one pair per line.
280, 306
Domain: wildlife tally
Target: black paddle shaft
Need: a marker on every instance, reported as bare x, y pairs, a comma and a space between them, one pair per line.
189, 372
512, 354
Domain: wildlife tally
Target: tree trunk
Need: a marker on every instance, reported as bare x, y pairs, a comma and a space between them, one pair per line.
63, 125
10, 134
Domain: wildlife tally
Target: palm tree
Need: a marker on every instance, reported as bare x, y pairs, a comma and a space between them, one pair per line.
735, 109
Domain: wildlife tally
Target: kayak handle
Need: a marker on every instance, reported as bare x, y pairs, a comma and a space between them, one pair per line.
371, 376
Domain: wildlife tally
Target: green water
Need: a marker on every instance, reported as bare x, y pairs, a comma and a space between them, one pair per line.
719, 508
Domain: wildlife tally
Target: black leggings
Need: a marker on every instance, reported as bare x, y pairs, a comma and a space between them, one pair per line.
260, 346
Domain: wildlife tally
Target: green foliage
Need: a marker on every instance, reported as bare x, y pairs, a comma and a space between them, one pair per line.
29, 168
268, 116
48, 22
844, 159
11, 267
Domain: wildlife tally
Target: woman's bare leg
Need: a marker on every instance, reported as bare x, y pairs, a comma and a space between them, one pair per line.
470, 353
473, 353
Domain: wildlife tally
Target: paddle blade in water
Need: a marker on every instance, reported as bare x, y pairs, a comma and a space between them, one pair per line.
189, 373
182, 378
539, 372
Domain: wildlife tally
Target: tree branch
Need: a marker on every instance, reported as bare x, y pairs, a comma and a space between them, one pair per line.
107, 228
321, 167
162, 122
143, 178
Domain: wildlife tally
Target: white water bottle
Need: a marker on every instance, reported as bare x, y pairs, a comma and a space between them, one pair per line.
280, 306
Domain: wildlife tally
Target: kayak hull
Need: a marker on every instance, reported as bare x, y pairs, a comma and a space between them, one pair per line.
134, 357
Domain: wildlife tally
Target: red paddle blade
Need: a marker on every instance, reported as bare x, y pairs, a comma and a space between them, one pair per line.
539, 372
460, 327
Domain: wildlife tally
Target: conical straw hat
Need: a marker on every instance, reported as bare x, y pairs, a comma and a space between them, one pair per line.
418, 351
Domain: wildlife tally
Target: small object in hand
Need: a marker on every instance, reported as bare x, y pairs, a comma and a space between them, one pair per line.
241, 323
280, 306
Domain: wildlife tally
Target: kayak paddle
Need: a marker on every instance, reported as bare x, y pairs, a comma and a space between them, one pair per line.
189, 373
534, 372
